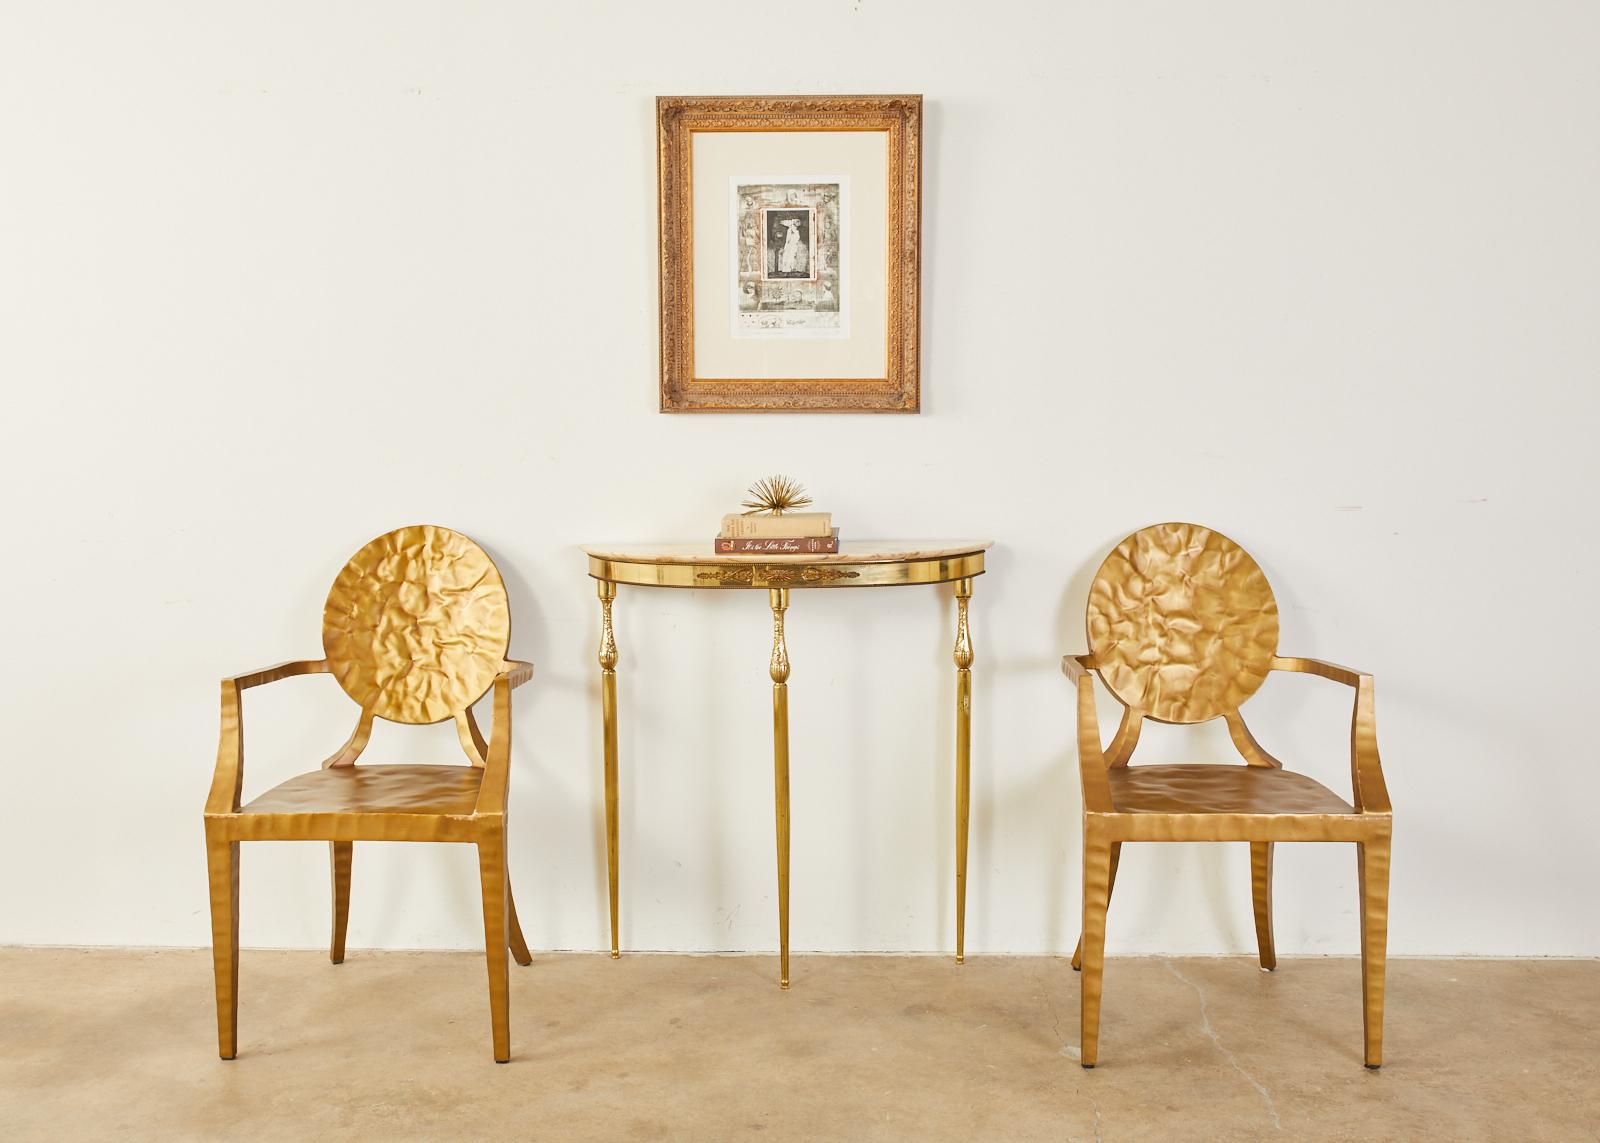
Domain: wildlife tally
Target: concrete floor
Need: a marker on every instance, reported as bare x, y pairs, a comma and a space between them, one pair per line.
115, 1043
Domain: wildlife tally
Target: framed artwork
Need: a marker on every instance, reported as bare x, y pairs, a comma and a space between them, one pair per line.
791, 253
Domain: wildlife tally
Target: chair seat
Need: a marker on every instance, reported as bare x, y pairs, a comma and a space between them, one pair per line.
374, 790
1210, 789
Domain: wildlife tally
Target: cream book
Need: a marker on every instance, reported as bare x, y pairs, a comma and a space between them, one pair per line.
789, 526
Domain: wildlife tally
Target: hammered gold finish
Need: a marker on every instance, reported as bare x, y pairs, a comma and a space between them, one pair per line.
355, 744
340, 856
1261, 901
471, 738
1111, 884
1249, 748
860, 564
1182, 623
374, 789
419, 590
417, 625
1208, 789
1183, 629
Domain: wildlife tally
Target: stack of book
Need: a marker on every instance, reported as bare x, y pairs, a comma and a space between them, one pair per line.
791, 534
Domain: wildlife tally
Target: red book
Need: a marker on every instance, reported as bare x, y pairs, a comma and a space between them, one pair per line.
776, 546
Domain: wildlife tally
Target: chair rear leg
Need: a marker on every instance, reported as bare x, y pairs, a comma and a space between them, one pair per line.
1097, 865
492, 872
519, 946
1116, 856
339, 856
1261, 891
1372, 859
222, 865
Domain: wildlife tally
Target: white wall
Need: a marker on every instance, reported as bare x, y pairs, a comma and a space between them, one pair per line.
276, 278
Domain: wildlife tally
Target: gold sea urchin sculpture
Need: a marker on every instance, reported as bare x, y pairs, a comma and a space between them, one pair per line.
775, 495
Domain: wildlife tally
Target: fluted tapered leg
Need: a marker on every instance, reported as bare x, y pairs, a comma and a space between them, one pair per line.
1261, 894
779, 670
222, 866
1111, 883
339, 858
492, 872
608, 705
963, 658
1096, 898
519, 946
1373, 863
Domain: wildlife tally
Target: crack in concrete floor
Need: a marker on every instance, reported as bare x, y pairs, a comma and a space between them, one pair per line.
1210, 1033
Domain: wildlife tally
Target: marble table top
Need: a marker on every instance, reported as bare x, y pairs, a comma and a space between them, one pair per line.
850, 552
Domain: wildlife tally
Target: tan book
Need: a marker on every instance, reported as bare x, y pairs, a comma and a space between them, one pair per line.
777, 545
791, 525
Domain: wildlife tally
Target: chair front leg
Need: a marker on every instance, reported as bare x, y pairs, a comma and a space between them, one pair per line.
1097, 861
340, 854
492, 872
1111, 884
222, 865
1372, 859
1261, 895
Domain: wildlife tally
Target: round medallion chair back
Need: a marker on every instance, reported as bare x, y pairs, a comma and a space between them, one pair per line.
1183, 628
417, 625
1182, 623
416, 630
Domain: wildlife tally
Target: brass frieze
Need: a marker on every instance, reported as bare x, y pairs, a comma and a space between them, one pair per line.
775, 575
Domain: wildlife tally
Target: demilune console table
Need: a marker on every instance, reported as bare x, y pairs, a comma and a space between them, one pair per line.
861, 564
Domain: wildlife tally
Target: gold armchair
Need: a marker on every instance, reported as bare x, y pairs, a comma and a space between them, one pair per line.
416, 630
1183, 628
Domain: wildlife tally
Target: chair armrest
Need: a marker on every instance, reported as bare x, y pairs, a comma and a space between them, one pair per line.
1346, 675
228, 778
497, 766
1091, 756
1076, 666
1366, 770
281, 671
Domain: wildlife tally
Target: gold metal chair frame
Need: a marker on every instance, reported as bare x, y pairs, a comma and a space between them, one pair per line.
855, 565
1183, 628
416, 630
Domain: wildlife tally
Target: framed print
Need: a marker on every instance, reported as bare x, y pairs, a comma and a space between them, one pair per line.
791, 246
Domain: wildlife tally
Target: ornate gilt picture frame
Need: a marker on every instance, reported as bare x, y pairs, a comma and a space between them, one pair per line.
791, 253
